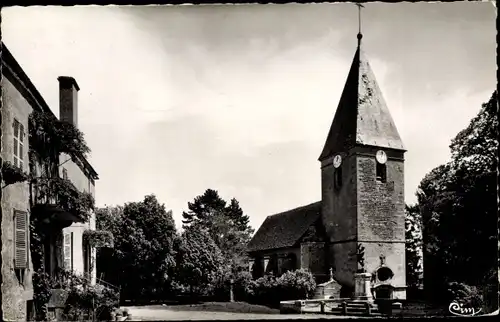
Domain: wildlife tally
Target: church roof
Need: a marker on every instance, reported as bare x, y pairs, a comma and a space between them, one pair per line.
285, 229
362, 116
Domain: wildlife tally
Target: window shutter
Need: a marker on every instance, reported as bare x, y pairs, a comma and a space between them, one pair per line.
21, 239
67, 251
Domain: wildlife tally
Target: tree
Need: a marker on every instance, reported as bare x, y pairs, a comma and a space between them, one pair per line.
143, 258
203, 208
198, 260
413, 236
458, 204
227, 225
240, 220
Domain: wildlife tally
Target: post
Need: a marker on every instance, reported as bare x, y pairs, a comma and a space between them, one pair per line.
368, 308
231, 294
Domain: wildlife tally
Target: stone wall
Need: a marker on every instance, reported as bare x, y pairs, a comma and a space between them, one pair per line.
381, 215
15, 196
381, 206
365, 211
345, 265
339, 216
83, 183
313, 255
339, 206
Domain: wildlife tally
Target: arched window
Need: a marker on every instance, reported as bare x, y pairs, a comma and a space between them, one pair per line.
381, 172
337, 178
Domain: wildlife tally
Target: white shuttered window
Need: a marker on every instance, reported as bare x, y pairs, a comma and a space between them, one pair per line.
21, 227
18, 144
68, 251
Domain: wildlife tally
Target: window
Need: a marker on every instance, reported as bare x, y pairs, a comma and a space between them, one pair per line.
20, 244
18, 144
68, 251
337, 178
381, 172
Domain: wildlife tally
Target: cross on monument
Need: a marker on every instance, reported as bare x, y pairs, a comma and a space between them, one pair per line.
359, 21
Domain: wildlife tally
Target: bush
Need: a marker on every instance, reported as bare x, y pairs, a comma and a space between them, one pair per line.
491, 291
42, 285
220, 289
242, 286
85, 300
464, 293
264, 291
295, 285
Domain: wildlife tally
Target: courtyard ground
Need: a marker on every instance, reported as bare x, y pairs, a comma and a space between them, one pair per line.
198, 312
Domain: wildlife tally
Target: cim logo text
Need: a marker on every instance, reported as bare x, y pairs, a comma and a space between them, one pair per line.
462, 309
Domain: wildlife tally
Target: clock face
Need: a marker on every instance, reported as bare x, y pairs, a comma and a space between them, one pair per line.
337, 160
381, 157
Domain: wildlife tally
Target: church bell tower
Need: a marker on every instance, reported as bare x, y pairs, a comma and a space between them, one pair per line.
362, 177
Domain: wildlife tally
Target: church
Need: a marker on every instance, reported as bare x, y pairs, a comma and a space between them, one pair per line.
359, 223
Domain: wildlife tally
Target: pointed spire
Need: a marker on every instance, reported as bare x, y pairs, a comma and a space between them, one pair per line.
362, 117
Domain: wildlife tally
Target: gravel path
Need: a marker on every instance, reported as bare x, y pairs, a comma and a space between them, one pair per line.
152, 313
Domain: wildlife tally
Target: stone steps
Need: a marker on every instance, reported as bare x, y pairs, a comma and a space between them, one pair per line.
356, 308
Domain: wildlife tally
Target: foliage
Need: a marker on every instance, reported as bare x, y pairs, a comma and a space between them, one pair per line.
299, 284
12, 174
198, 260
235, 213
143, 258
465, 294
264, 290
242, 285
66, 195
49, 136
203, 208
458, 205
226, 224
292, 285
42, 285
85, 300
491, 291
413, 236
360, 255
98, 238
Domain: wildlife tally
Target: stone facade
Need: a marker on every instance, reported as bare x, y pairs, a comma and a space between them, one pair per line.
362, 200
19, 99
81, 260
17, 288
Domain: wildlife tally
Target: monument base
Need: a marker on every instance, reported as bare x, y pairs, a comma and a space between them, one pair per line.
362, 287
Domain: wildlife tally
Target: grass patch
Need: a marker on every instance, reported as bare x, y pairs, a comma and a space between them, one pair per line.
230, 307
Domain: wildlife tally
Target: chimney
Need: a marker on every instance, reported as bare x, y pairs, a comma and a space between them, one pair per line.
68, 100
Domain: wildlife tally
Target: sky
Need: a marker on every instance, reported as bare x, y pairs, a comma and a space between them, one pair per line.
239, 98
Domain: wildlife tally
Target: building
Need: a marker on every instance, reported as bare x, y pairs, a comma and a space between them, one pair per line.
20, 98
359, 224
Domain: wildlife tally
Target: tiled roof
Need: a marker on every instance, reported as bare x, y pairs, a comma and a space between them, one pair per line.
362, 116
284, 229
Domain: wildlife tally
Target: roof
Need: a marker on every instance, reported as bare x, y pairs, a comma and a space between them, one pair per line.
32, 95
362, 116
284, 229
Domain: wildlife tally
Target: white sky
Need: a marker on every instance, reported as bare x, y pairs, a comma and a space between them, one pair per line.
175, 100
